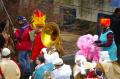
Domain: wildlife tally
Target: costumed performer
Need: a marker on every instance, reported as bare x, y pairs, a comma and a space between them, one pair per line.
38, 19
106, 39
87, 57
107, 43
87, 48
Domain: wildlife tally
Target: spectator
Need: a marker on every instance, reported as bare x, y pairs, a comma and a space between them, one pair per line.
8, 68
62, 71
42, 69
115, 22
2, 39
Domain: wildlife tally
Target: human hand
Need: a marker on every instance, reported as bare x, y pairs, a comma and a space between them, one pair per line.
44, 50
14, 30
99, 44
31, 60
6, 36
0, 77
92, 69
98, 41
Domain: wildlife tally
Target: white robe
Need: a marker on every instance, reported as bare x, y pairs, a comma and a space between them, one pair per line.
49, 58
63, 72
104, 57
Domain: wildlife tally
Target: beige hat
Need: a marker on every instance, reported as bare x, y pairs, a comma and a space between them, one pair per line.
58, 61
5, 52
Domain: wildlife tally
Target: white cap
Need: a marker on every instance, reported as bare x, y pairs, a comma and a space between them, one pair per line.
81, 58
5, 52
58, 61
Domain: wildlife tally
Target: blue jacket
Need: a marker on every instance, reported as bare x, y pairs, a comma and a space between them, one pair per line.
39, 73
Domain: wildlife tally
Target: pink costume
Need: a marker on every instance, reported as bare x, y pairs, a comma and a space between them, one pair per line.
87, 48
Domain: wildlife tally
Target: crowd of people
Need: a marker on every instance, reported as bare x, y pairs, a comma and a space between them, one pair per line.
36, 61
98, 55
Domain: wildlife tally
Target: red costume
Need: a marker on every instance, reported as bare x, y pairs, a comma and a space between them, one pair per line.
36, 51
38, 19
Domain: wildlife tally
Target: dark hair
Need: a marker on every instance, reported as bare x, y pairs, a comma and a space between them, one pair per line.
21, 18
41, 59
6, 56
117, 10
2, 26
99, 71
2, 41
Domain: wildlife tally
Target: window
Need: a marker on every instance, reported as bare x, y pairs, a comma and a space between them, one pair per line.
69, 15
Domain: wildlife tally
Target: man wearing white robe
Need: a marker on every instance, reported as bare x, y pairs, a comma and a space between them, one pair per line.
62, 71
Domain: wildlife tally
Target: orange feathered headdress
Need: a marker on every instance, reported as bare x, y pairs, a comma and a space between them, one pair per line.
38, 19
105, 22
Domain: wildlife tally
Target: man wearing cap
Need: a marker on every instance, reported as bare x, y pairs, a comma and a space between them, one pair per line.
62, 71
23, 45
8, 68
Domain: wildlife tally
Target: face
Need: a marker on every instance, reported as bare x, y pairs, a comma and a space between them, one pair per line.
20, 22
118, 13
51, 48
105, 23
57, 66
38, 62
39, 29
78, 62
103, 27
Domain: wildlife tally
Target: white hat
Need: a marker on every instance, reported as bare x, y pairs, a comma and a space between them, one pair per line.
81, 58
58, 61
5, 52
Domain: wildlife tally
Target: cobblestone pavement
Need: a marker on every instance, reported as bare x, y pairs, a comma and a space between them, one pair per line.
69, 44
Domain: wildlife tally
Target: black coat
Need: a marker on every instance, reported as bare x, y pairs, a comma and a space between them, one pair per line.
2, 39
115, 27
